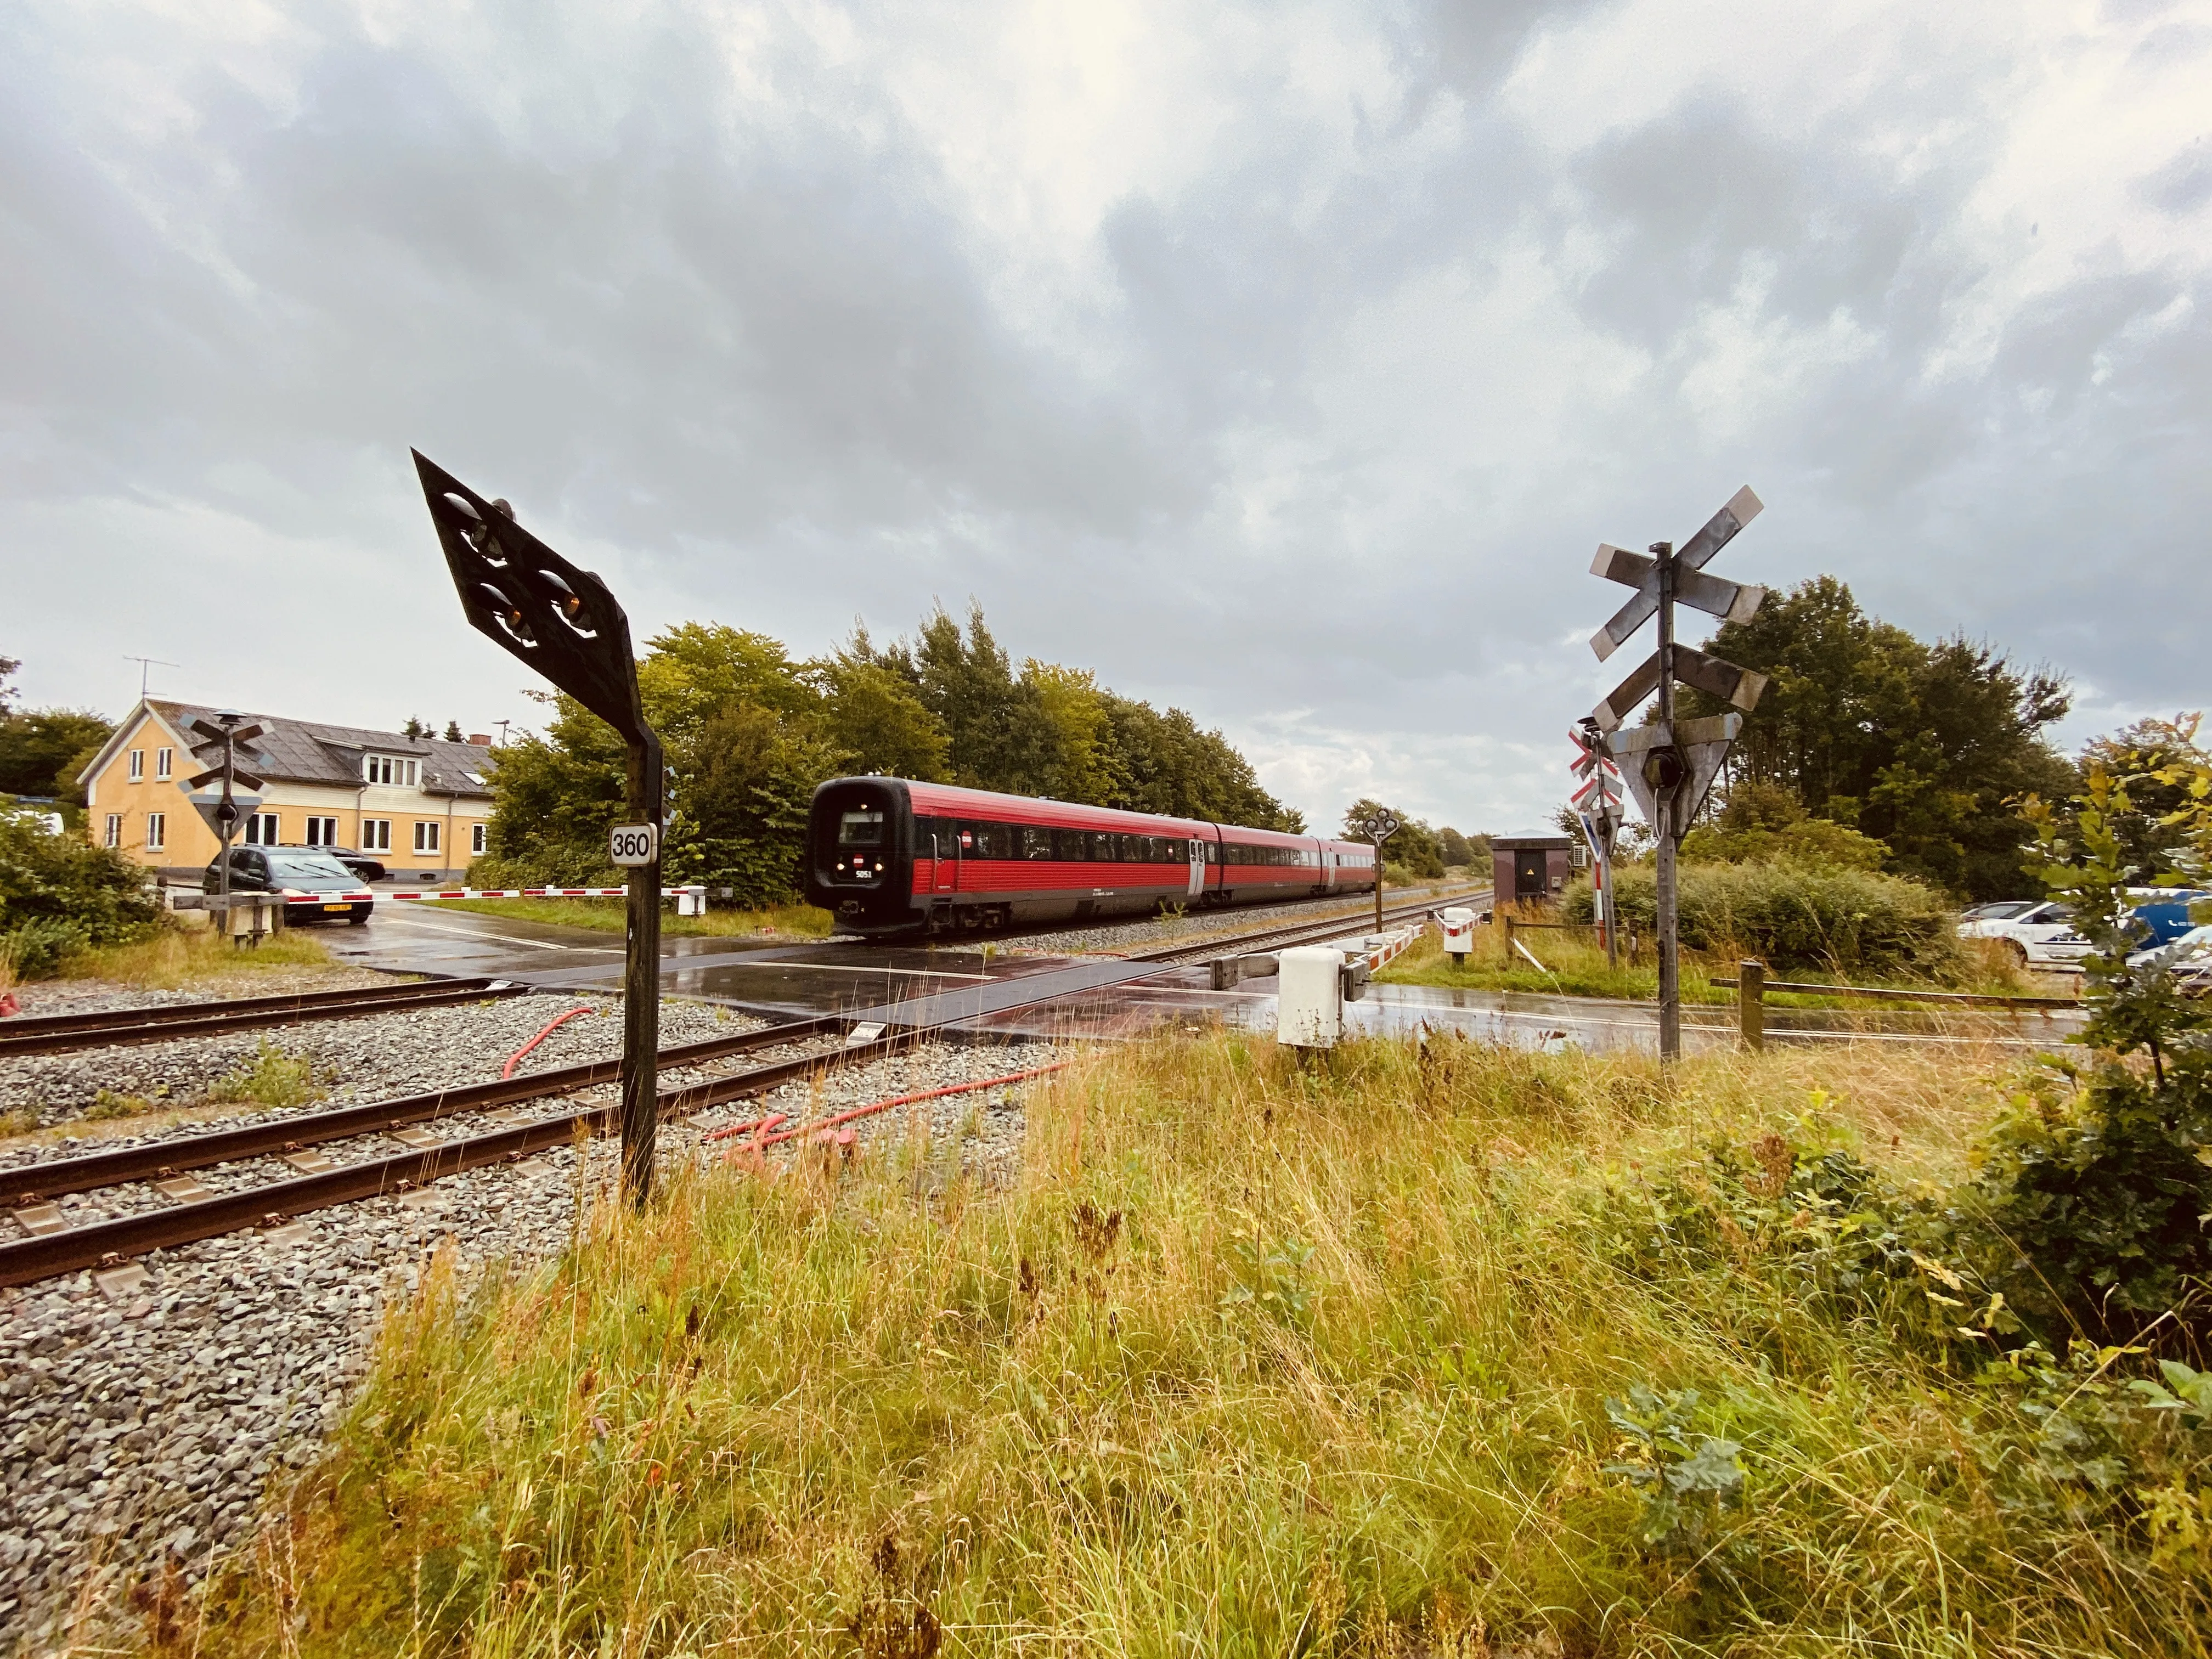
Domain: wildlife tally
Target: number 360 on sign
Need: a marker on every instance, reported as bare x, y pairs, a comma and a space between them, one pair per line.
634, 845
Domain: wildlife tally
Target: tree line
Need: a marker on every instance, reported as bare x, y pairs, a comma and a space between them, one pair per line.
1873, 749
749, 731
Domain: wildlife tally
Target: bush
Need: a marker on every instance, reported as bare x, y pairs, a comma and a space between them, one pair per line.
59, 894
1794, 915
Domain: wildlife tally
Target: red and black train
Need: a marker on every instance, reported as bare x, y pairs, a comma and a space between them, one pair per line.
887, 855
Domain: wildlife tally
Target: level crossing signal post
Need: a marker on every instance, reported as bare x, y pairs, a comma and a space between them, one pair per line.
565, 624
1378, 827
1669, 764
1597, 807
222, 735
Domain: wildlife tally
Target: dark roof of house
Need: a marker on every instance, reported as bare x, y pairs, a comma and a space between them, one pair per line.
1531, 840
307, 751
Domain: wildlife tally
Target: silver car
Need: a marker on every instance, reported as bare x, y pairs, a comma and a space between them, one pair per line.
2039, 933
2189, 960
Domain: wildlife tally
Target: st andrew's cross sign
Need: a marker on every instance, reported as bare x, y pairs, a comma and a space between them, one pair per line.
1669, 766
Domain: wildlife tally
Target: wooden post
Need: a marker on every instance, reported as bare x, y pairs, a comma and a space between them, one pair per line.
1751, 1004
1670, 961
640, 1102
1506, 917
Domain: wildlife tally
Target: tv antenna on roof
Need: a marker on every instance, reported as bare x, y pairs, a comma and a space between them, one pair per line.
146, 666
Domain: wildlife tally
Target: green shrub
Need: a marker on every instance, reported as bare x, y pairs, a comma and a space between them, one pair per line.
36, 949
1794, 915
60, 893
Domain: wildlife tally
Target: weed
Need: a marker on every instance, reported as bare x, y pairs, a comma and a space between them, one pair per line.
18, 1120
272, 1079
1684, 1485
107, 1105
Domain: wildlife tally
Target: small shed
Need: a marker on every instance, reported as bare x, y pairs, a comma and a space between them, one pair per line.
1532, 868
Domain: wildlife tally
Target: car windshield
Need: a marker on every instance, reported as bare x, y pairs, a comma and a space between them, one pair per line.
301, 870
2003, 912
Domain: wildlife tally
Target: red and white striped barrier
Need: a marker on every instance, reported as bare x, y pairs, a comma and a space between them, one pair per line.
529, 892
512, 892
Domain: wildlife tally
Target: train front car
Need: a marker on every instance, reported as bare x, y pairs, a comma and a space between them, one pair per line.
859, 854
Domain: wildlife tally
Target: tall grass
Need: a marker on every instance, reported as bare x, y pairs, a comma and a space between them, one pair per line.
175, 957
1253, 1359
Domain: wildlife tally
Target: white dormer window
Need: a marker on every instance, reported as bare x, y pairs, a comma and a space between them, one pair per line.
390, 768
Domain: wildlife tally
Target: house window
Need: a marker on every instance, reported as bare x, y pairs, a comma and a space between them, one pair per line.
157, 831
114, 829
322, 832
476, 837
426, 838
261, 830
138, 765
165, 761
376, 835
390, 768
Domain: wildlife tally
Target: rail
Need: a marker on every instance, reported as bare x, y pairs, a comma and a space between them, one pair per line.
48, 1034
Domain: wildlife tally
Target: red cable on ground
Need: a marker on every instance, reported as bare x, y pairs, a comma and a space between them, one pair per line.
517, 1057
766, 1140
747, 1127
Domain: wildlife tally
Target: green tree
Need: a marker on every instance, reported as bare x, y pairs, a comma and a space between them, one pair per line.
873, 715
1415, 848
1456, 851
750, 780
1925, 748
42, 749
1759, 821
1165, 764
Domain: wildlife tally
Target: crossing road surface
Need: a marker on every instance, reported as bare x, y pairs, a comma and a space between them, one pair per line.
795, 977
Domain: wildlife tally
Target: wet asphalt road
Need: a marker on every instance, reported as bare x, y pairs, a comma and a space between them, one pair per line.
795, 977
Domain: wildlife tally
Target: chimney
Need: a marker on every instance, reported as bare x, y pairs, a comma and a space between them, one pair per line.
482, 740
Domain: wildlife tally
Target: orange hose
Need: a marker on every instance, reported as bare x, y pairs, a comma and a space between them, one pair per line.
517, 1057
766, 1140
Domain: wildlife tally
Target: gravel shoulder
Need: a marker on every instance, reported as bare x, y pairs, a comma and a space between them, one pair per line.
140, 1426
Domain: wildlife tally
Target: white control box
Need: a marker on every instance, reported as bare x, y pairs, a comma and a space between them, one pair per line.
1309, 997
1458, 925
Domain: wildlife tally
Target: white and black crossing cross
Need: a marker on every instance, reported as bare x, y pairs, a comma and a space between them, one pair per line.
1670, 766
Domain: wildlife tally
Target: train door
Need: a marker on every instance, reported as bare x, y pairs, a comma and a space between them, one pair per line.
1528, 876
1197, 868
944, 871
1328, 869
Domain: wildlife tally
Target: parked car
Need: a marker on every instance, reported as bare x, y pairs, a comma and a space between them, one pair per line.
361, 864
2190, 962
316, 886
2039, 933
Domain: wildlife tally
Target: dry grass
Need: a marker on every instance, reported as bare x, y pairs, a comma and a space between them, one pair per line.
1255, 1359
175, 958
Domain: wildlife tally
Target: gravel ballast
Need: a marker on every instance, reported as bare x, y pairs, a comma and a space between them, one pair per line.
141, 1423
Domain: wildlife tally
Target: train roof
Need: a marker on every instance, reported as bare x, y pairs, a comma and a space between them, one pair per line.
951, 800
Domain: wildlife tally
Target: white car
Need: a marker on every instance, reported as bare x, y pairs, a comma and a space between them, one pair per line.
2037, 932
2190, 965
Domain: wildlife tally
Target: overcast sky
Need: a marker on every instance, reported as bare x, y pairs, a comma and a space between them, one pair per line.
1286, 362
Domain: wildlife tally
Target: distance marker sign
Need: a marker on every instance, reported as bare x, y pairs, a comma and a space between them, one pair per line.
634, 846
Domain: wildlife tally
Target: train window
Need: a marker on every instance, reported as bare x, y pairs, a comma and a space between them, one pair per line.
1037, 841
860, 830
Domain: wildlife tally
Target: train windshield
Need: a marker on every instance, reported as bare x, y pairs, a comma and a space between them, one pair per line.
864, 828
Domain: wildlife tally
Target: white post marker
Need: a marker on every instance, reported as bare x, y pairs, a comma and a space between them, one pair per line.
634, 846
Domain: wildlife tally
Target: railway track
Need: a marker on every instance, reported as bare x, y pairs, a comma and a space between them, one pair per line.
53, 1034
55, 1248
1289, 934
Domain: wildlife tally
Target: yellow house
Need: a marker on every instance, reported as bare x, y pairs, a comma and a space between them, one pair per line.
416, 806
